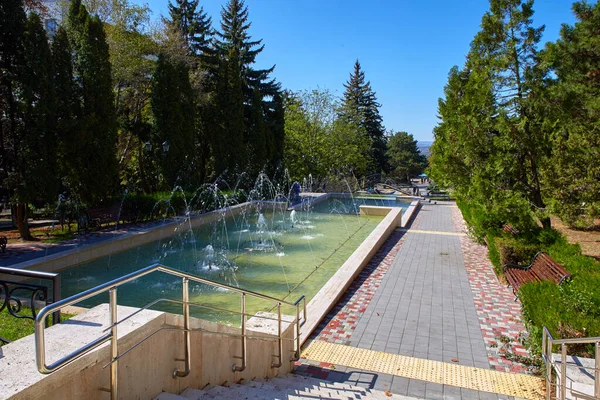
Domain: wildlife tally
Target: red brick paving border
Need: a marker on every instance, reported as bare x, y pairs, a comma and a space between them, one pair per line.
341, 321
498, 311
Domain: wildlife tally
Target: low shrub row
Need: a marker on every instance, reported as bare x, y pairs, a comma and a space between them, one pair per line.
569, 310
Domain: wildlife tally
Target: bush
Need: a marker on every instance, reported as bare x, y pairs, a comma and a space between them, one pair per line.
513, 251
569, 310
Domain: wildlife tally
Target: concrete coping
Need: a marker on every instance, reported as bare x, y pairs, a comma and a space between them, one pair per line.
579, 369
18, 364
17, 360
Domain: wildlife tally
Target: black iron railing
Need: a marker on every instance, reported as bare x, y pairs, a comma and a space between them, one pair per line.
15, 296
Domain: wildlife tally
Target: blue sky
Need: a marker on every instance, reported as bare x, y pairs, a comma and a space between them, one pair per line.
406, 47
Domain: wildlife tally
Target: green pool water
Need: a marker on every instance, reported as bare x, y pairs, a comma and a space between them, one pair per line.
279, 254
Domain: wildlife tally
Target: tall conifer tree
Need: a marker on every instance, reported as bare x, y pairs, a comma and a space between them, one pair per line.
97, 122
194, 25
360, 108
173, 109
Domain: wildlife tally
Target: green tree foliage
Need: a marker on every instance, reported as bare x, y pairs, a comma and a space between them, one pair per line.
572, 115
28, 110
234, 37
96, 142
173, 109
404, 157
360, 107
258, 148
67, 106
194, 25
317, 142
490, 126
12, 20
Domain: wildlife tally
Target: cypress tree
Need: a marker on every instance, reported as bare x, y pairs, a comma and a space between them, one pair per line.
233, 116
34, 176
97, 136
68, 108
257, 142
12, 21
173, 109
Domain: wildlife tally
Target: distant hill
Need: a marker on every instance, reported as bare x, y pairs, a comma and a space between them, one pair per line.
424, 147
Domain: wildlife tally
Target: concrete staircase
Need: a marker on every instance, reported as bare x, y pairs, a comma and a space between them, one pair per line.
288, 387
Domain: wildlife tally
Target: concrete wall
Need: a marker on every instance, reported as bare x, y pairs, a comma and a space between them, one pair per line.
148, 369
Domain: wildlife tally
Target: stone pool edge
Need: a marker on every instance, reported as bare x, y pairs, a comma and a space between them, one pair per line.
328, 296
88, 252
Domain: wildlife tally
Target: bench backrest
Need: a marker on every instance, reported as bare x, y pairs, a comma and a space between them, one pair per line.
508, 228
546, 269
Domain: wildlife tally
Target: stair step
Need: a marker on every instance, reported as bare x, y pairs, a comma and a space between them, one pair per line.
287, 387
168, 396
195, 394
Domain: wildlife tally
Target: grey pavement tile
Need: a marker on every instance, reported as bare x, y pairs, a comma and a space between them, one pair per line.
487, 396
469, 394
452, 392
400, 385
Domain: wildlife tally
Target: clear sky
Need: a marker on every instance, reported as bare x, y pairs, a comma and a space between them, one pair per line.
406, 47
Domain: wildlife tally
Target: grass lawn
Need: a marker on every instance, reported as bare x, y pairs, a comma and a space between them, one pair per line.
12, 328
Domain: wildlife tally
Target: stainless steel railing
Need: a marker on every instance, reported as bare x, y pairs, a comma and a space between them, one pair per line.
111, 287
560, 392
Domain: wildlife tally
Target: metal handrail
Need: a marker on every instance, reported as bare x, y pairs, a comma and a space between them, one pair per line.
548, 341
111, 336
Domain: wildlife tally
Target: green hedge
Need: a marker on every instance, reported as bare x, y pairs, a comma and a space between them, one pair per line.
569, 310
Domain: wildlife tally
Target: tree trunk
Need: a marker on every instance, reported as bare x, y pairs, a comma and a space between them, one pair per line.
22, 223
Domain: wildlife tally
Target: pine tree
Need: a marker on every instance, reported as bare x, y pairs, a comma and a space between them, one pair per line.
234, 37
360, 108
194, 25
490, 145
572, 115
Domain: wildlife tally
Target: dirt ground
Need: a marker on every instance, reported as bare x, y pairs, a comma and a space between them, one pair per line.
588, 240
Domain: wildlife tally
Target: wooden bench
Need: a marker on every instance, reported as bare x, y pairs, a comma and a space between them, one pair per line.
3, 243
508, 228
97, 217
542, 268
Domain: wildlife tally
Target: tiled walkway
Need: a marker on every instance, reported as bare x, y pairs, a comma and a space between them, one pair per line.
438, 300
499, 313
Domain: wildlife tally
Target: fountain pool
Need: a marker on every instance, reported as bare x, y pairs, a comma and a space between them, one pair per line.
283, 254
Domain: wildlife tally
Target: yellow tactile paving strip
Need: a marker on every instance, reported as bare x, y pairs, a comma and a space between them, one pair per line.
485, 380
433, 232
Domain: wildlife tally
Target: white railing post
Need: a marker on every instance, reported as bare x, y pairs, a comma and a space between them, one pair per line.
186, 331
597, 372
279, 338
114, 349
243, 367
563, 372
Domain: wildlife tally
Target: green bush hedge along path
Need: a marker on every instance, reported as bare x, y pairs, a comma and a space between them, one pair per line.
569, 310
